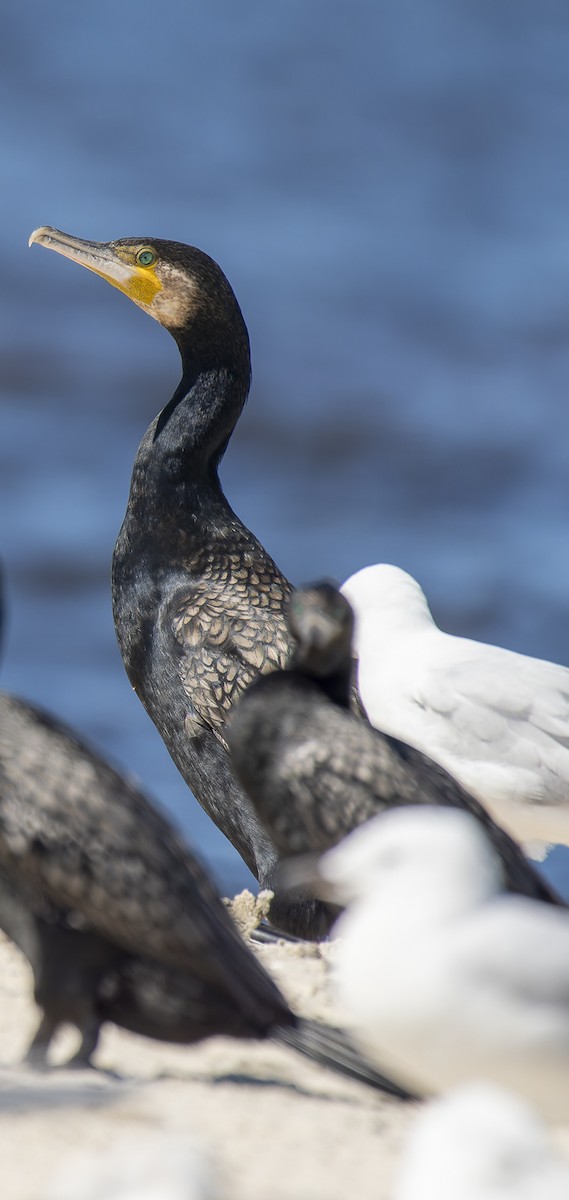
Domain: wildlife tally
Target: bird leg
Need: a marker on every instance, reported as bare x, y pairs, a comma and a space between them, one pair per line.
89, 1030
36, 1055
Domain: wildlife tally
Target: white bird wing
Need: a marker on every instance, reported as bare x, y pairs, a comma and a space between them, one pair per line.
485, 705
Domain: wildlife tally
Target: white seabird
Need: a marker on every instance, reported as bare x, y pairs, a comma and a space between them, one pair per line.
443, 977
479, 1142
497, 720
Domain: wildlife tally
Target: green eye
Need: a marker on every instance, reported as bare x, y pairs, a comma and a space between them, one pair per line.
145, 258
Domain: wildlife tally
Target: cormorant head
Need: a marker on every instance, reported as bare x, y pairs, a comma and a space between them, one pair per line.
321, 622
178, 285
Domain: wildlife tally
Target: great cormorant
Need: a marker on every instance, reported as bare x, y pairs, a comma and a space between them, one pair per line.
198, 603
314, 771
115, 915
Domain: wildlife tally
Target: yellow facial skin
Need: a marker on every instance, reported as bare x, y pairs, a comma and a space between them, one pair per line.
117, 264
164, 289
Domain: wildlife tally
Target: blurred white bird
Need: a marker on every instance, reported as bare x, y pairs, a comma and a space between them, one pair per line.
479, 1142
442, 977
151, 1165
497, 720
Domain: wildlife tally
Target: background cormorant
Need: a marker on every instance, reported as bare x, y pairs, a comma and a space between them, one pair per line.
314, 771
197, 601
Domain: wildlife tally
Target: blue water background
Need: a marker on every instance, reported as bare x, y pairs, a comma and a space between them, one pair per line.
386, 185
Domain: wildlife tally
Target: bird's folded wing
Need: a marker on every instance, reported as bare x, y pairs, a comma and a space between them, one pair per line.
483, 707
76, 835
221, 652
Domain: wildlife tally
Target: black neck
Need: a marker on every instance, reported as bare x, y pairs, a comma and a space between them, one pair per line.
338, 687
336, 684
185, 443
191, 433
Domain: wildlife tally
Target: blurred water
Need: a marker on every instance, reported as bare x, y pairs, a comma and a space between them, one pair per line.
386, 186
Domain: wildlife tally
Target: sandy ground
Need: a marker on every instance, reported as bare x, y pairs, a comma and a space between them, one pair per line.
269, 1123
272, 1124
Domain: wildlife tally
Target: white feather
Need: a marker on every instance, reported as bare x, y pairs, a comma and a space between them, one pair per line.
479, 1142
442, 976
497, 720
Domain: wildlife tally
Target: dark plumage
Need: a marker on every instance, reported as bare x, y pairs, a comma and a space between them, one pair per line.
314, 772
198, 603
77, 838
116, 917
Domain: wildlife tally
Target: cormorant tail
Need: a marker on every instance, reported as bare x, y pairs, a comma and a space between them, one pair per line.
332, 1048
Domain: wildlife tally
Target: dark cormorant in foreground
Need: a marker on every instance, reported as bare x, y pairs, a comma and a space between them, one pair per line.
197, 601
117, 918
314, 772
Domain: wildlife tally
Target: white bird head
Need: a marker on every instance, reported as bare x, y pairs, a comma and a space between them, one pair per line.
415, 857
388, 592
479, 1142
